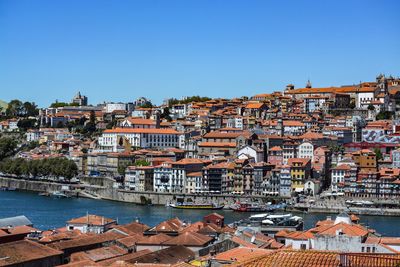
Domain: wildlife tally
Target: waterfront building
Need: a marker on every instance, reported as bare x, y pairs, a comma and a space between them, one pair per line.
219, 177
285, 181
163, 177
300, 170
194, 182
139, 178
338, 177
107, 164
180, 170
91, 224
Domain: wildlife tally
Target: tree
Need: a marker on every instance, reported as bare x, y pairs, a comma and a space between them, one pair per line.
29, 109
147, 105
63, 104
384, 115
122, 167
141, 162
166, 114
26, 124
14, 108
371, 107
90, 126
7, 147
174, 101
378, 154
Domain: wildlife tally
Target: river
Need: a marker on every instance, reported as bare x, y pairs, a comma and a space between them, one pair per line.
49, 213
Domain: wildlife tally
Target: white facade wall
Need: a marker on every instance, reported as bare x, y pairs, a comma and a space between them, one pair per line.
364, 97
306, 150
110, 107
143, 140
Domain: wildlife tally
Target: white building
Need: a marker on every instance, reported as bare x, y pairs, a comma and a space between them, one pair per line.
179, 110
239, 122
364, 97
306, 150
91, 224
33, 135
337, 177
110, 107
194, 182
114, 139
285, 181
163, 177
248, 152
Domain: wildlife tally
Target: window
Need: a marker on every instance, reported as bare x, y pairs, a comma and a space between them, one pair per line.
303, 246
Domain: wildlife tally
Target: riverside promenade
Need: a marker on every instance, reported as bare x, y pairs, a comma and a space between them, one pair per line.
103, 188
338, 204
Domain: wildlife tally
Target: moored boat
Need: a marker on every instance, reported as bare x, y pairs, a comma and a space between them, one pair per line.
58, 194
249, 207
197, 206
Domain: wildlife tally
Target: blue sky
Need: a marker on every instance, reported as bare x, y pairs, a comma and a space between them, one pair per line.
119, 50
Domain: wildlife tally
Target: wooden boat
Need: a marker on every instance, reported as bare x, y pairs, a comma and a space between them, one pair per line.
197, 206
249, 207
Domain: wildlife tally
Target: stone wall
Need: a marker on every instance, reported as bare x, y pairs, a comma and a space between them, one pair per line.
37, 186
110, 193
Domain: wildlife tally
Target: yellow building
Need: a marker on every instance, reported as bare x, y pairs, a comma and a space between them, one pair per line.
300, 169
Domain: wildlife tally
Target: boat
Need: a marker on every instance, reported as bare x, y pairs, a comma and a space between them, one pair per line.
44, 194
197, 206
270, 223
5, 188
58, 194
249, 207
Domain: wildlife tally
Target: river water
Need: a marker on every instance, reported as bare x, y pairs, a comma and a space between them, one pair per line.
49, 213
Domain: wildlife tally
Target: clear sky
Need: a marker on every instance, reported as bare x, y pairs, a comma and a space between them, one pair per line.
118, 50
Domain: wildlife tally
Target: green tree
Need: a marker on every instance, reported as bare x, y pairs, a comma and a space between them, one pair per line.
166, 114
25, 124
30, 109
90, 126
142, 162
384, 115
174, 101
63, 104
8, 147
14, 108
147, 105
378, 154
371, 107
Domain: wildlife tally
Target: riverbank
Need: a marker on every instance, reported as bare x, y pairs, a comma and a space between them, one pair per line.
353, 210
103, 188
49, 213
